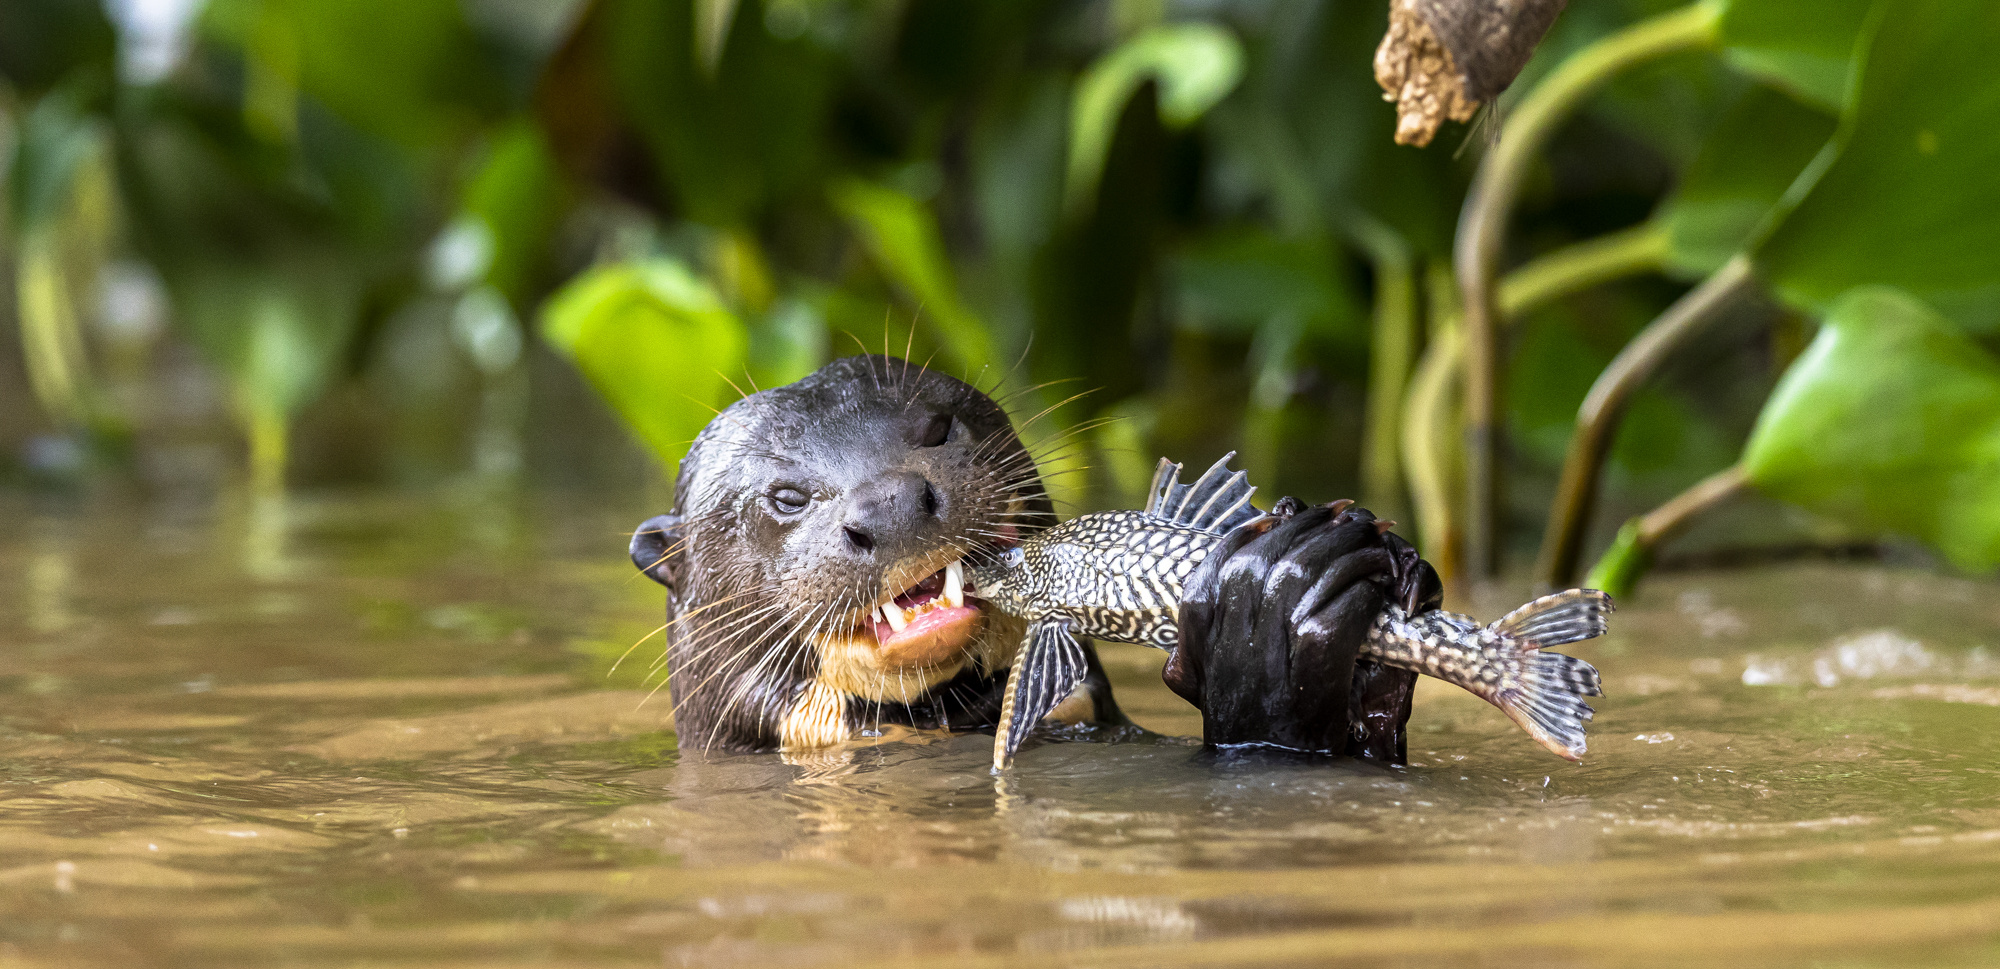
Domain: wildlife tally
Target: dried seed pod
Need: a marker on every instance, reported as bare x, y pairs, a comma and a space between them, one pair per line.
1444, 58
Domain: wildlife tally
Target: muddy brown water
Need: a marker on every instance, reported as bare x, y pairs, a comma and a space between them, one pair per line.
384, 734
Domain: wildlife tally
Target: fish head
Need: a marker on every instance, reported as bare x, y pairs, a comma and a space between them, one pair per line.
1000, 579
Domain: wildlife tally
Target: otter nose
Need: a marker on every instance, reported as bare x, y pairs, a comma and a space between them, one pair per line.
890, 510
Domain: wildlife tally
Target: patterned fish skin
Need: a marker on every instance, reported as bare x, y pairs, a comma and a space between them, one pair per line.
1115, 575
1446, 645
1119, 576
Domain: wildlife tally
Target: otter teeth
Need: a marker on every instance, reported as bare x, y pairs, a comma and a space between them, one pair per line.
954, 585
952, 595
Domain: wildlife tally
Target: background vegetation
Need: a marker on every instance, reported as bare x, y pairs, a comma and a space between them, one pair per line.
1757, 242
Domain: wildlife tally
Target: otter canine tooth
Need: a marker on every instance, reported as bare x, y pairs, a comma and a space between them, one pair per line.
894, 614
954, 585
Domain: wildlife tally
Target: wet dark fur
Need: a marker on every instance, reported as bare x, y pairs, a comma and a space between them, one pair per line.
748, 580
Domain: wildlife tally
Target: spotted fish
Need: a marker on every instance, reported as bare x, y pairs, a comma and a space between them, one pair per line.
1119, 576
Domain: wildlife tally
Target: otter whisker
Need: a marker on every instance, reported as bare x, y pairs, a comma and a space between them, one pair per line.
732, 384
749, 679
721, 668
707, 648
681, 620
628, 650
1058, 405
1012, 395
736, 613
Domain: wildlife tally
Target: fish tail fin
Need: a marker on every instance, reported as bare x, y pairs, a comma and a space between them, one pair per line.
1552, 620
1548, 702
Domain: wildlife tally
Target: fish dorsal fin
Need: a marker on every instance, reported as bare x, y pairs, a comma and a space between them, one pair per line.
1217, 502
1165, 478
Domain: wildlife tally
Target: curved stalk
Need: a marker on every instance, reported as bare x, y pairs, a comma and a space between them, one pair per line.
1431, 430
269, 443
1597, 420
1568, 270
1577, 267
1482, 228
51, 333
1391, 354
1632, 554
264, 540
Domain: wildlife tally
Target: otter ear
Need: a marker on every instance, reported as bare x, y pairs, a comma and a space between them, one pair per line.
656, 549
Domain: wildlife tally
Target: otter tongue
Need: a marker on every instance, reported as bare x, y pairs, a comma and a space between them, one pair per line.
931, 638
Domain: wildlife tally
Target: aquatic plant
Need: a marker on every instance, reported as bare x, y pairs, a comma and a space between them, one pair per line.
1170, 228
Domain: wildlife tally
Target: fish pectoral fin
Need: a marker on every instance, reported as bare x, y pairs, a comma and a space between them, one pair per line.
1558, 618
1047, 669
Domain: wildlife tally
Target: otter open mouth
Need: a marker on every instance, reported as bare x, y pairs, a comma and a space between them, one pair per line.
927, 623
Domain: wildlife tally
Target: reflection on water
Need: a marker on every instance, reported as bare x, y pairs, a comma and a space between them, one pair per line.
401, 748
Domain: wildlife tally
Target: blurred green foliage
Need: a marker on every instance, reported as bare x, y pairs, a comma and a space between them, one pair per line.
1905, 194
1889, 420
656, 341
1162, 228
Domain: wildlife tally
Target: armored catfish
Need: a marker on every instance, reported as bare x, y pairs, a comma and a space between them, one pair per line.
1119, 576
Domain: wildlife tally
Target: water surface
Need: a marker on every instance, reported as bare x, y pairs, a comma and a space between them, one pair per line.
370, 733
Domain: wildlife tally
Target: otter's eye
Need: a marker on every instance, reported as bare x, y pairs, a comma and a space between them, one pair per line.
790, 501
936, 432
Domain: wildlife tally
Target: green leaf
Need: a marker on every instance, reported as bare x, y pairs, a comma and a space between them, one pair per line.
712, 19
790, 342
1195, 66
902, 237
1806, 48
1737, 179
62, 197
1890, 420
56, 139
411, 71
516, 198
44, 43
1910, 198
656, 342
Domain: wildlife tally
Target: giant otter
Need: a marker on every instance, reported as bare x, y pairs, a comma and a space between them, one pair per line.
814, 587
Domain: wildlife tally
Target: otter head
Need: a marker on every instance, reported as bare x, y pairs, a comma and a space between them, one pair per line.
819, 540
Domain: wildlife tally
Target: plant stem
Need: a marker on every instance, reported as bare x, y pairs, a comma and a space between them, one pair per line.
268, 446
1430, 428
51, 334
1558, 274
1670, 519
1597, 421
1391, 355
1482, 229
1639, 541
1592, 262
